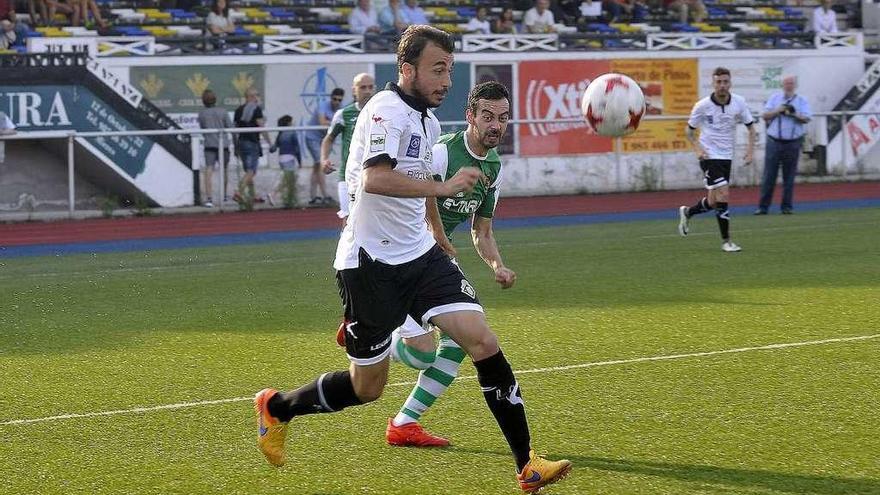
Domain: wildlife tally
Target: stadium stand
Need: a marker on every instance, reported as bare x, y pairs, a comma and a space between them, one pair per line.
181, 26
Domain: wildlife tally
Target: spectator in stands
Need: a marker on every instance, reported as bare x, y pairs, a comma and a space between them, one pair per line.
289, 159
588, 11
785, 113
322, 116
248, 145
6, 128
20, 28
629, 10
414, 13
70, 7
392, 19
824, 18
7, 34
505, 23
363, 19
539, 19
78, 10
218, 21
87, 6
480, 23
687, 8
212, 117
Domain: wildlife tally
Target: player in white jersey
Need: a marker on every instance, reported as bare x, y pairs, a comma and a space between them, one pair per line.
717, 116
388, 265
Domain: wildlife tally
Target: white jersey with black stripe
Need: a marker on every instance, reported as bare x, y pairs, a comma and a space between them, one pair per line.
391, 230
717, 124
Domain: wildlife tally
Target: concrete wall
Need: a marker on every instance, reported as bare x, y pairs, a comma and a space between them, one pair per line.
33, 177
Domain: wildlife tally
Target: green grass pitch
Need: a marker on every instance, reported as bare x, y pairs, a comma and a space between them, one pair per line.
85, 334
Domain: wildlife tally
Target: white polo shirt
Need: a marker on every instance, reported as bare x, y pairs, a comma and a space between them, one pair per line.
391, 230
824, 21
717, 124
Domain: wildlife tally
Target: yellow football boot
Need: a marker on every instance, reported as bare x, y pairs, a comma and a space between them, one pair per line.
271, 432
540, 472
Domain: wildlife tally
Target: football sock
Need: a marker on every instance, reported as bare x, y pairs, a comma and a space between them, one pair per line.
432, 382
502, 394
723, 216
331, 392
702, 206
410, 356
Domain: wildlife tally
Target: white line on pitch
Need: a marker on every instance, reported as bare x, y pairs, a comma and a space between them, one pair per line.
764, 229
667, 357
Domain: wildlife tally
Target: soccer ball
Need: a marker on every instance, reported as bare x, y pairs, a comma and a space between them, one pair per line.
613, 105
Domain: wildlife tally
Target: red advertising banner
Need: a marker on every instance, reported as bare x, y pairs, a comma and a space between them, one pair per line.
552, 89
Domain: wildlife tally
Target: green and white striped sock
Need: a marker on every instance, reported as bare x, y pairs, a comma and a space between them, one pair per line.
432, 382
410, 356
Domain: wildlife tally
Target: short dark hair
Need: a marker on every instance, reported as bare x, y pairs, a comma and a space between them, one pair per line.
285, 121
209, 99
415, 38
337, 92
721, 71
489, 90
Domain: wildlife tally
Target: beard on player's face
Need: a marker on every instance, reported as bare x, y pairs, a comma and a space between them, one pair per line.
423, 91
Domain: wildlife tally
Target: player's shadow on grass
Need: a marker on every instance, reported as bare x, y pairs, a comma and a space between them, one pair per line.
726, 479
735, 478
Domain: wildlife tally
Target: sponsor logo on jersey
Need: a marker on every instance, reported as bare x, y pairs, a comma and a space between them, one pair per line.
377, 142
415, 145
418, 174
461, 205
467, 289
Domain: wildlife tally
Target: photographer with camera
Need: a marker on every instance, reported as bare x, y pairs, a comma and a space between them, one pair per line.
785, 114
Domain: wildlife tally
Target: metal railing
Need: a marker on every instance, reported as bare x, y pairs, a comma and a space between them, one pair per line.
298, 44
225, 134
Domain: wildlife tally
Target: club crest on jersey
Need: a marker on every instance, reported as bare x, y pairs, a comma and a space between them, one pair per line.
377, 142
415, 145
467, 289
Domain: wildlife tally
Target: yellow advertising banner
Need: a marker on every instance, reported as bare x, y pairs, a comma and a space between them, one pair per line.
670, 87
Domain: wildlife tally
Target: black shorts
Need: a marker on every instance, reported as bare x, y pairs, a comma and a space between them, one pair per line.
716, 173
377, 297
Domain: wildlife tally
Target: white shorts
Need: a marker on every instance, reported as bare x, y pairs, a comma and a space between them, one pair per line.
411, 328
344, 200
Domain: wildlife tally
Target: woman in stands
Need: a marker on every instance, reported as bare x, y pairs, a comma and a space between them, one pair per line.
505, 23
218, 22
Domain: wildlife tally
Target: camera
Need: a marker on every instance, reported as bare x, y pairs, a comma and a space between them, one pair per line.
788, 109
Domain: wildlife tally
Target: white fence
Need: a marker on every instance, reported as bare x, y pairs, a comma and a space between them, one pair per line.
144, 46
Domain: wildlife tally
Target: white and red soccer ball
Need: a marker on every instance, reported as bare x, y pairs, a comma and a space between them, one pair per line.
613, 105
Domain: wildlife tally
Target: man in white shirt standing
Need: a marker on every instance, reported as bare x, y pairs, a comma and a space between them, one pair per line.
389, 267
539, 19
717, 116
363, 19
824, 19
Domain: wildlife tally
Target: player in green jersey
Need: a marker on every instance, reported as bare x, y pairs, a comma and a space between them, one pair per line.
487, 113
343, 123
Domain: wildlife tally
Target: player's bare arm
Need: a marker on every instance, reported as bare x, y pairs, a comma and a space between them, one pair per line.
484, 242
326, 144
382, 179
692, 137
432, 215
750, 150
